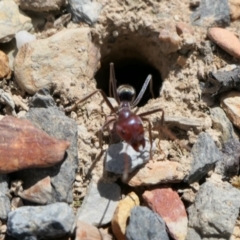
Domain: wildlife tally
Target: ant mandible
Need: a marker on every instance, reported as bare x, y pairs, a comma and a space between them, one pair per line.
127, 124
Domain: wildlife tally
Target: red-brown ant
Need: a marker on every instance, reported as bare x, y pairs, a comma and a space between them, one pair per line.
127, 124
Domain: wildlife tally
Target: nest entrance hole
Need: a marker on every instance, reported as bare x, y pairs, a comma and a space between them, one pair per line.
130, 70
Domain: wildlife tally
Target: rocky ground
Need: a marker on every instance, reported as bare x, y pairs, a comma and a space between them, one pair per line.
57, 181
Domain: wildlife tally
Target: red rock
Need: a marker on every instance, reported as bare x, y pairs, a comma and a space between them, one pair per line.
156, 172
226, 40
183, 27
169, 206
22, 145
170, 41
41, 192
85, 231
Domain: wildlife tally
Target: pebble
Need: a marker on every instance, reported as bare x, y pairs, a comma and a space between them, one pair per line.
41, 222
230, 103
42, 99
5, 71
183, 27
211, 14
33, 74
99, 203
4, 199
56, 124
204, 156
188, 43
12, 20
181, 61
234, 9
222, 123
85, 11
225, 40
145, 225
169, 39
41, 192
18, 139
40, 6
169, 206
229, 166
85, 231
119, 153
122, 213
215, 209
156, 172
23, 37
224, 80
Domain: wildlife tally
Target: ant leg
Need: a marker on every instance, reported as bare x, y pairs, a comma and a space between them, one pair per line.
150, 134
100, 136
126, 165
100, 133
162, 128
103, 95
153, 111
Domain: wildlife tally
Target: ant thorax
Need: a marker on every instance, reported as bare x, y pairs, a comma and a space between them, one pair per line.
126, 93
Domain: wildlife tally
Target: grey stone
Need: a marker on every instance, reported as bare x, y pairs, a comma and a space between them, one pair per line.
118, 154
205, 154
12, 20
99, 203
144, 224
215, 210
5, 205
192, 234
211, 12
42, 99
206, 49
56, 124
224, 80
51, 221
229, 166
84, 11
222, 123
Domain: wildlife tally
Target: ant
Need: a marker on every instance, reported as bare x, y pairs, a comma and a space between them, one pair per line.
127, 124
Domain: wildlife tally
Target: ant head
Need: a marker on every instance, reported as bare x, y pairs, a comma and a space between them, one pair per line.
126, 93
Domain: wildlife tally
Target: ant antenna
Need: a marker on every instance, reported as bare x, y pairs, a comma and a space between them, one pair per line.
144, 87
113, 84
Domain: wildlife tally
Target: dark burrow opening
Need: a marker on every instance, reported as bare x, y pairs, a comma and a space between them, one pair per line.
132, 71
